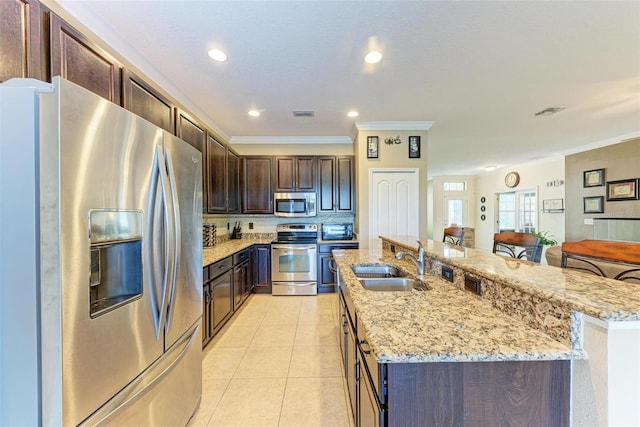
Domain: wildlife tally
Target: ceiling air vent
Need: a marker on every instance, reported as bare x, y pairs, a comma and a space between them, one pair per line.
549, 111
304, 113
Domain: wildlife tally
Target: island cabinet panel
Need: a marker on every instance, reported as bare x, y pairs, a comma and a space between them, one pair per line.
142, 99
75, 58
533, 393
20, 35
194, 134
296, 173
257, 184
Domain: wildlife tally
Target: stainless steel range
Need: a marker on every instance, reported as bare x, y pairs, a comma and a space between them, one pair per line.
294, 256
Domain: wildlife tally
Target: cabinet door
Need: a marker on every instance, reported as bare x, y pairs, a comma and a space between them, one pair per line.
217, 168
206, 314
352, 371
142, 99
345, 197
262, 269
76, 59
285, 174
221, 289
20, 35
326, 184
233, 182
295, 173
326, 278
305, 178
257, 183
194, 134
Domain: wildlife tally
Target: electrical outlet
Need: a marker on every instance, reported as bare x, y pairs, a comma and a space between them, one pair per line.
588, 221
250, 226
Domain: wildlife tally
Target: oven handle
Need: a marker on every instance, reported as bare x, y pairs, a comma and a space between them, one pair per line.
294, 247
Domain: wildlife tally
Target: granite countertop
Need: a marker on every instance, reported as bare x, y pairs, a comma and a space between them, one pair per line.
230, 247
442, 324
602, 298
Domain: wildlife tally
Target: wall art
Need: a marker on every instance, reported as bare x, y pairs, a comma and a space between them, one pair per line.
593, 204
372, 147
625, 189
593, 178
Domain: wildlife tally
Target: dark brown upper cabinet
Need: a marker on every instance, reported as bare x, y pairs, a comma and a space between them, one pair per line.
20, 40
336, 184
297, 173
257, 185
233, 182
75, 58
142, 99
217, 167
190, 131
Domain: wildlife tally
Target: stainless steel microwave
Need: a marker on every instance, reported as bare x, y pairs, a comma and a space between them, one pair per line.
294, 204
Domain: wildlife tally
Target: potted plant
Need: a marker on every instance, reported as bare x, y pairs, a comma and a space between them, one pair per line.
546, 239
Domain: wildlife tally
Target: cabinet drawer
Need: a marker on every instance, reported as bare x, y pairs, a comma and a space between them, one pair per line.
326, 248
241, 256
217, 268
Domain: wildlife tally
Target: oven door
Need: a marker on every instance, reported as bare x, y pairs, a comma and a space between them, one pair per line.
293, 262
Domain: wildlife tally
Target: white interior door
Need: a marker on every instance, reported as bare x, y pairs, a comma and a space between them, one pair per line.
456, 210
393, 202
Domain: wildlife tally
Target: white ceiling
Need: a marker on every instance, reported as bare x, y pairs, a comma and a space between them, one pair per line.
478, 69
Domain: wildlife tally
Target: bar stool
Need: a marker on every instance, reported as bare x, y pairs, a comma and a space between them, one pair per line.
453, 235
615, 260
518, 245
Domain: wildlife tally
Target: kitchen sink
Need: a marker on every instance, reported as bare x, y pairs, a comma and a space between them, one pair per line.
392, 284
374, 271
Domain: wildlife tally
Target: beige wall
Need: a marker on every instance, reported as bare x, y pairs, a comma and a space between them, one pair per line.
620, 161
293, 149
389, 156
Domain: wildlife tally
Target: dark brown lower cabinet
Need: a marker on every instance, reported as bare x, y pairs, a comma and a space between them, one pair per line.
262, 268
217, 297
242, 279
501, 393
326, 275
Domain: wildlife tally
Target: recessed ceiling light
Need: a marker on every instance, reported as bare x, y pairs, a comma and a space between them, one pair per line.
254, 113
490, 168
352, 113
217, 55
373, 57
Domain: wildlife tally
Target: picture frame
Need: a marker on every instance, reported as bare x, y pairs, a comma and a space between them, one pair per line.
593, 178
593, 204
553, 205
624, 189
414, 147
373, 147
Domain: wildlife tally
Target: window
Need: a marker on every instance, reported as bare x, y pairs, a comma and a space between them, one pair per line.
517, 211
454, 186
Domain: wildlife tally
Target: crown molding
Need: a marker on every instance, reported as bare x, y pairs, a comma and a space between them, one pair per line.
602, 143
399, 125
290, 140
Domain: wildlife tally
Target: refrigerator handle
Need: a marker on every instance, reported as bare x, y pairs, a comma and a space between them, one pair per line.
175, 234
168, 235
155, 244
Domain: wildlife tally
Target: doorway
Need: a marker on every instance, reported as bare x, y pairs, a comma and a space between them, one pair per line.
393, 202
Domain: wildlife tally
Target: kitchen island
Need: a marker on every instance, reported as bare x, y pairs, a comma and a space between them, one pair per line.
529, 328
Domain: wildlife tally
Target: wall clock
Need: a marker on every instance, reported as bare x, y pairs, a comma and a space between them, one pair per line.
512, 179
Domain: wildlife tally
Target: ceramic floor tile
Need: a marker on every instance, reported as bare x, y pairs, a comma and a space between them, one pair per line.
274, 336
250, 402
319, 316
282, 316
235, 336
249, 317
212, 392
322, 361
314, 402
322, 302
221, 362
265, 362
316, 334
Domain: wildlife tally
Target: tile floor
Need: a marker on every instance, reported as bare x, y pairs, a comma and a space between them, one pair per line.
276, 363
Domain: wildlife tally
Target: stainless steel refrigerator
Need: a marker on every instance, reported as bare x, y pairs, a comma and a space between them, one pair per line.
100, 262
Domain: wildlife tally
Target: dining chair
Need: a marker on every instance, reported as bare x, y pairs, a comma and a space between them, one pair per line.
518, 245
615, 260
453, 235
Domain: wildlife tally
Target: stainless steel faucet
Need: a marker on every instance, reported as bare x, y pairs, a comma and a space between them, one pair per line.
419, 261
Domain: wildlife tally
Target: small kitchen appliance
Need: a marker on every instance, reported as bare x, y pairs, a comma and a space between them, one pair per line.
341, 231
